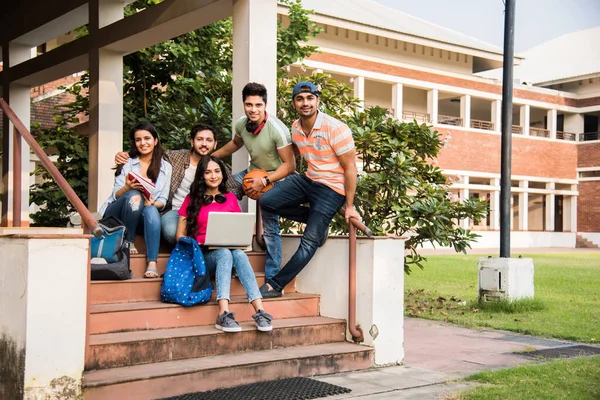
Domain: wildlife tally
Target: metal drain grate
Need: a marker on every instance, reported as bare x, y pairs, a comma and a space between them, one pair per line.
282, 389
567, 351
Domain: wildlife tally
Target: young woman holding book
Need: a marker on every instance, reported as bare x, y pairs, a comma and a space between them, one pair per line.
141, 189
208, 193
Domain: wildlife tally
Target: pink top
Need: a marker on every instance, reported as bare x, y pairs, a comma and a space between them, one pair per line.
231, 205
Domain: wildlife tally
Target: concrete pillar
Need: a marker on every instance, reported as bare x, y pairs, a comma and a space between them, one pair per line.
497, 115
551, 117
359, 91
254, 60
43, 333
465, 110
106, 105
464, 195
432, 105
525, 113
524, 207
18, 98
571, 211
550, 208
574, 124
397, 100
495, 205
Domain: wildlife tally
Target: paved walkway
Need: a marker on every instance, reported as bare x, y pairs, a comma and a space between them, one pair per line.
437, 354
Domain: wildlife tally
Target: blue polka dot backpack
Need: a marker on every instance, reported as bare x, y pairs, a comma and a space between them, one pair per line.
186, 281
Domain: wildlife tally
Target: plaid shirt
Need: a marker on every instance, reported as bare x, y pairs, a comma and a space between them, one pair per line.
180, 161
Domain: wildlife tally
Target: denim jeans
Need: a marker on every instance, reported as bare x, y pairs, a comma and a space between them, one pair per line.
168, 225
287, 199
271, 234
220, 264
138, 218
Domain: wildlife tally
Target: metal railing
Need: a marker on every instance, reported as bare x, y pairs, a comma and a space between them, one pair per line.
584, 137
517, 129
21, 131
415, 116
566, 136
355, 330
450, 120
540, 132
477, 124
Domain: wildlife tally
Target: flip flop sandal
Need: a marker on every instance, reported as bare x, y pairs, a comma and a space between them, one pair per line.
151, 273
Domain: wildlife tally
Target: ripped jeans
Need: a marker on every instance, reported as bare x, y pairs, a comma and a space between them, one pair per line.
138, 218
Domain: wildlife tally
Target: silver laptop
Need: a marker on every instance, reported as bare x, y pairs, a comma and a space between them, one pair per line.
229, 230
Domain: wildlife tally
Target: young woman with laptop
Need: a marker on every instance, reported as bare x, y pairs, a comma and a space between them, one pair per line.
208, 193
140, 191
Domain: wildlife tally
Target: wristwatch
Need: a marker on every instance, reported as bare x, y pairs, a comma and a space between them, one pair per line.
267, 180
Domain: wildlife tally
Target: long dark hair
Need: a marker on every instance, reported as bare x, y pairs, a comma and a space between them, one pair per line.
197, 190
157, 153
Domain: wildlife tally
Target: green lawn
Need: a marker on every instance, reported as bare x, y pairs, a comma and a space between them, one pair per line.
560, 379
566, 306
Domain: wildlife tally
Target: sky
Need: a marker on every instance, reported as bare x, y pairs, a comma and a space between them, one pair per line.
536, 21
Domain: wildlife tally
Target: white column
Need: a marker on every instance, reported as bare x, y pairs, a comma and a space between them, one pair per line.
497, 115
397, 100
359, 91
464, 195
106, 106
524, 207
465, 110
254, 60
573, 211
550, 208
551, 117
432, 105
525, 113
574, 124
495, 205
20, 102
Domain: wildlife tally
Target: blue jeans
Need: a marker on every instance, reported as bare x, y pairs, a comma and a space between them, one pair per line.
220, 264
271, 233
168, 225
287, 199
138, 218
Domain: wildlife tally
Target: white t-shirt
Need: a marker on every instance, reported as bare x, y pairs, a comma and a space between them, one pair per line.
184, 188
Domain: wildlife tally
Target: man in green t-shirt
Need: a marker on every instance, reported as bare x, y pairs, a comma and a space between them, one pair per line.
269, 144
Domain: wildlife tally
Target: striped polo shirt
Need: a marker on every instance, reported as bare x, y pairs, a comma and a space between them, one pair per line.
328, 139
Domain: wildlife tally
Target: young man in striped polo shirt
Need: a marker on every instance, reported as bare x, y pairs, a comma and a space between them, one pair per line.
329, 182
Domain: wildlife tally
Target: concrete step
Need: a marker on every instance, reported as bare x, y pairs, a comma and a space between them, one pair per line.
159, 380
112, 350
144, 289
138, 263
120, 317
583, 243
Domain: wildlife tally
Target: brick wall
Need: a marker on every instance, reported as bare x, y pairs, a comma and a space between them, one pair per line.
447, 80
474, 151
42, 111
588, 206
588, 155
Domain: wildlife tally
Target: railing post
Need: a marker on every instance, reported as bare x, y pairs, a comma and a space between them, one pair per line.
16, 178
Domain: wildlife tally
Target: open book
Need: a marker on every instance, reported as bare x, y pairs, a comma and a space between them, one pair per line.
147, 185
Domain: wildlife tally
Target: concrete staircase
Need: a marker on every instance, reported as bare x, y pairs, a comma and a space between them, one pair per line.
141, 348
583, 243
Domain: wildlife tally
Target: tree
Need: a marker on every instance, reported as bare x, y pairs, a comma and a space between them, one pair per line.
72, 158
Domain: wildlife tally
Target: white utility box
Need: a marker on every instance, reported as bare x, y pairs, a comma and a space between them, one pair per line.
505, 278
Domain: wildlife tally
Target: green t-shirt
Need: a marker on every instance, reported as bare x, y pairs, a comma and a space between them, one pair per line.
263, 147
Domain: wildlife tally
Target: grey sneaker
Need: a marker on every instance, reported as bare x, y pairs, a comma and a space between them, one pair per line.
227, 323
262, 321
